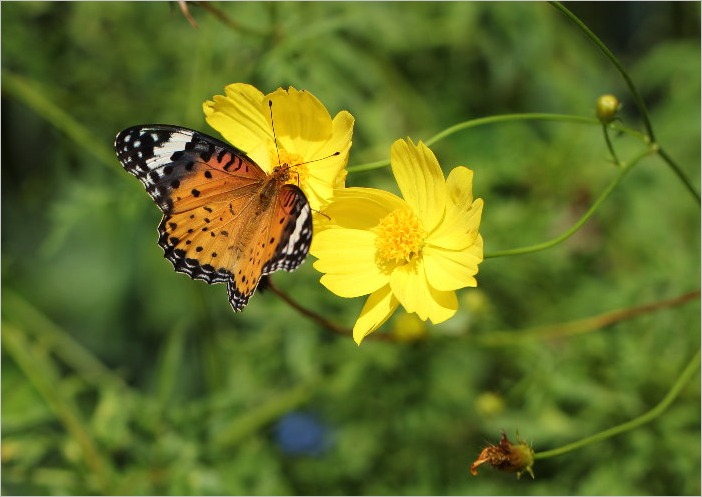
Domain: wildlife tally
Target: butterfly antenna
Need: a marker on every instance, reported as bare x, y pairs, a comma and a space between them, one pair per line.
317, 160
275, 138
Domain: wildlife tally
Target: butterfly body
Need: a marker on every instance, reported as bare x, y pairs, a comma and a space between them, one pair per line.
225, 219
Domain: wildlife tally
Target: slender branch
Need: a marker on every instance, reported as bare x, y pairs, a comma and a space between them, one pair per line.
507, 118
320, 320
600, 44
647, 417
577, 327
369, 166
482, 121
680, 174
600, 200
605, 130
224, 18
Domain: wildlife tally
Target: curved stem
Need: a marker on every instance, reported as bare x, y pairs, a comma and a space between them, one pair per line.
672, 394
320, 320
600, 44
555, 241
535, 116
634, 92
231, 23
368, 166
481, 121
515, 338
680, 174
605, 130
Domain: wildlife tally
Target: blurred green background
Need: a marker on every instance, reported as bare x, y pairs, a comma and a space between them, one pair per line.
121, 376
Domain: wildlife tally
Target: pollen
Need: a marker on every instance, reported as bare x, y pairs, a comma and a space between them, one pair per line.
400, 238
291, 166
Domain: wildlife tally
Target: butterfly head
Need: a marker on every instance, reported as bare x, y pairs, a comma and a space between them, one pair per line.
291, 169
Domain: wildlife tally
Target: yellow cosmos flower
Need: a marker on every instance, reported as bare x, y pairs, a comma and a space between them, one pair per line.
305, 131
414, 251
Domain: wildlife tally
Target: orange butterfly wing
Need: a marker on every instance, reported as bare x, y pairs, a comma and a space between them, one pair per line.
225, 219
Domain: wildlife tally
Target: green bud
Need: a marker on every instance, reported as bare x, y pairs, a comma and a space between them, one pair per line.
606, 108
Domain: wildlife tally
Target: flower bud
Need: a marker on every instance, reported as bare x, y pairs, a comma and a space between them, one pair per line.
606, 108
506, 456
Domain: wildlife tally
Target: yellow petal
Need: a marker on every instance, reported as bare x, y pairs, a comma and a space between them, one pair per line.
420, 179
459, 186
379, 307
451, 269
411, 287
302, 123
444, 306
361, 208
347, 257
328, 172
238, 116
303, 127
459, 228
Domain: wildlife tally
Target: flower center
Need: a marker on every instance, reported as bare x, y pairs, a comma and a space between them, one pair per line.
291, 167
400, 238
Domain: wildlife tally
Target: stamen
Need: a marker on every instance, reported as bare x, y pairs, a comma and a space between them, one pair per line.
400, 238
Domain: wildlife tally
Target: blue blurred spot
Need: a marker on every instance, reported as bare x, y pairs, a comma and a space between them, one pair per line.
299, 433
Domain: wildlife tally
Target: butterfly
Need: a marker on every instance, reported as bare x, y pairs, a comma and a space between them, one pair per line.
225, 220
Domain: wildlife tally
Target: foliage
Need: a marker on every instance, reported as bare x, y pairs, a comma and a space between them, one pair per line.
122, 376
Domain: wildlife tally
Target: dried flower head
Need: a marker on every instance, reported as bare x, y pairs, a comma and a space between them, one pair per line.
506, 456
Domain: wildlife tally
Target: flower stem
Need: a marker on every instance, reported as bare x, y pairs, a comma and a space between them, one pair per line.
515, 338
681, 175
600, 200
600, 44
320, 320
228, 21
506, 118
672, 394
605, 130
481, 121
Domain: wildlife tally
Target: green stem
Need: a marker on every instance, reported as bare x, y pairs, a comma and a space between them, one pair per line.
600, 200
516, 338
481, 121
609, 145
681, 175
368, 166
634, 92
535, 116
647, 417
594, 39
